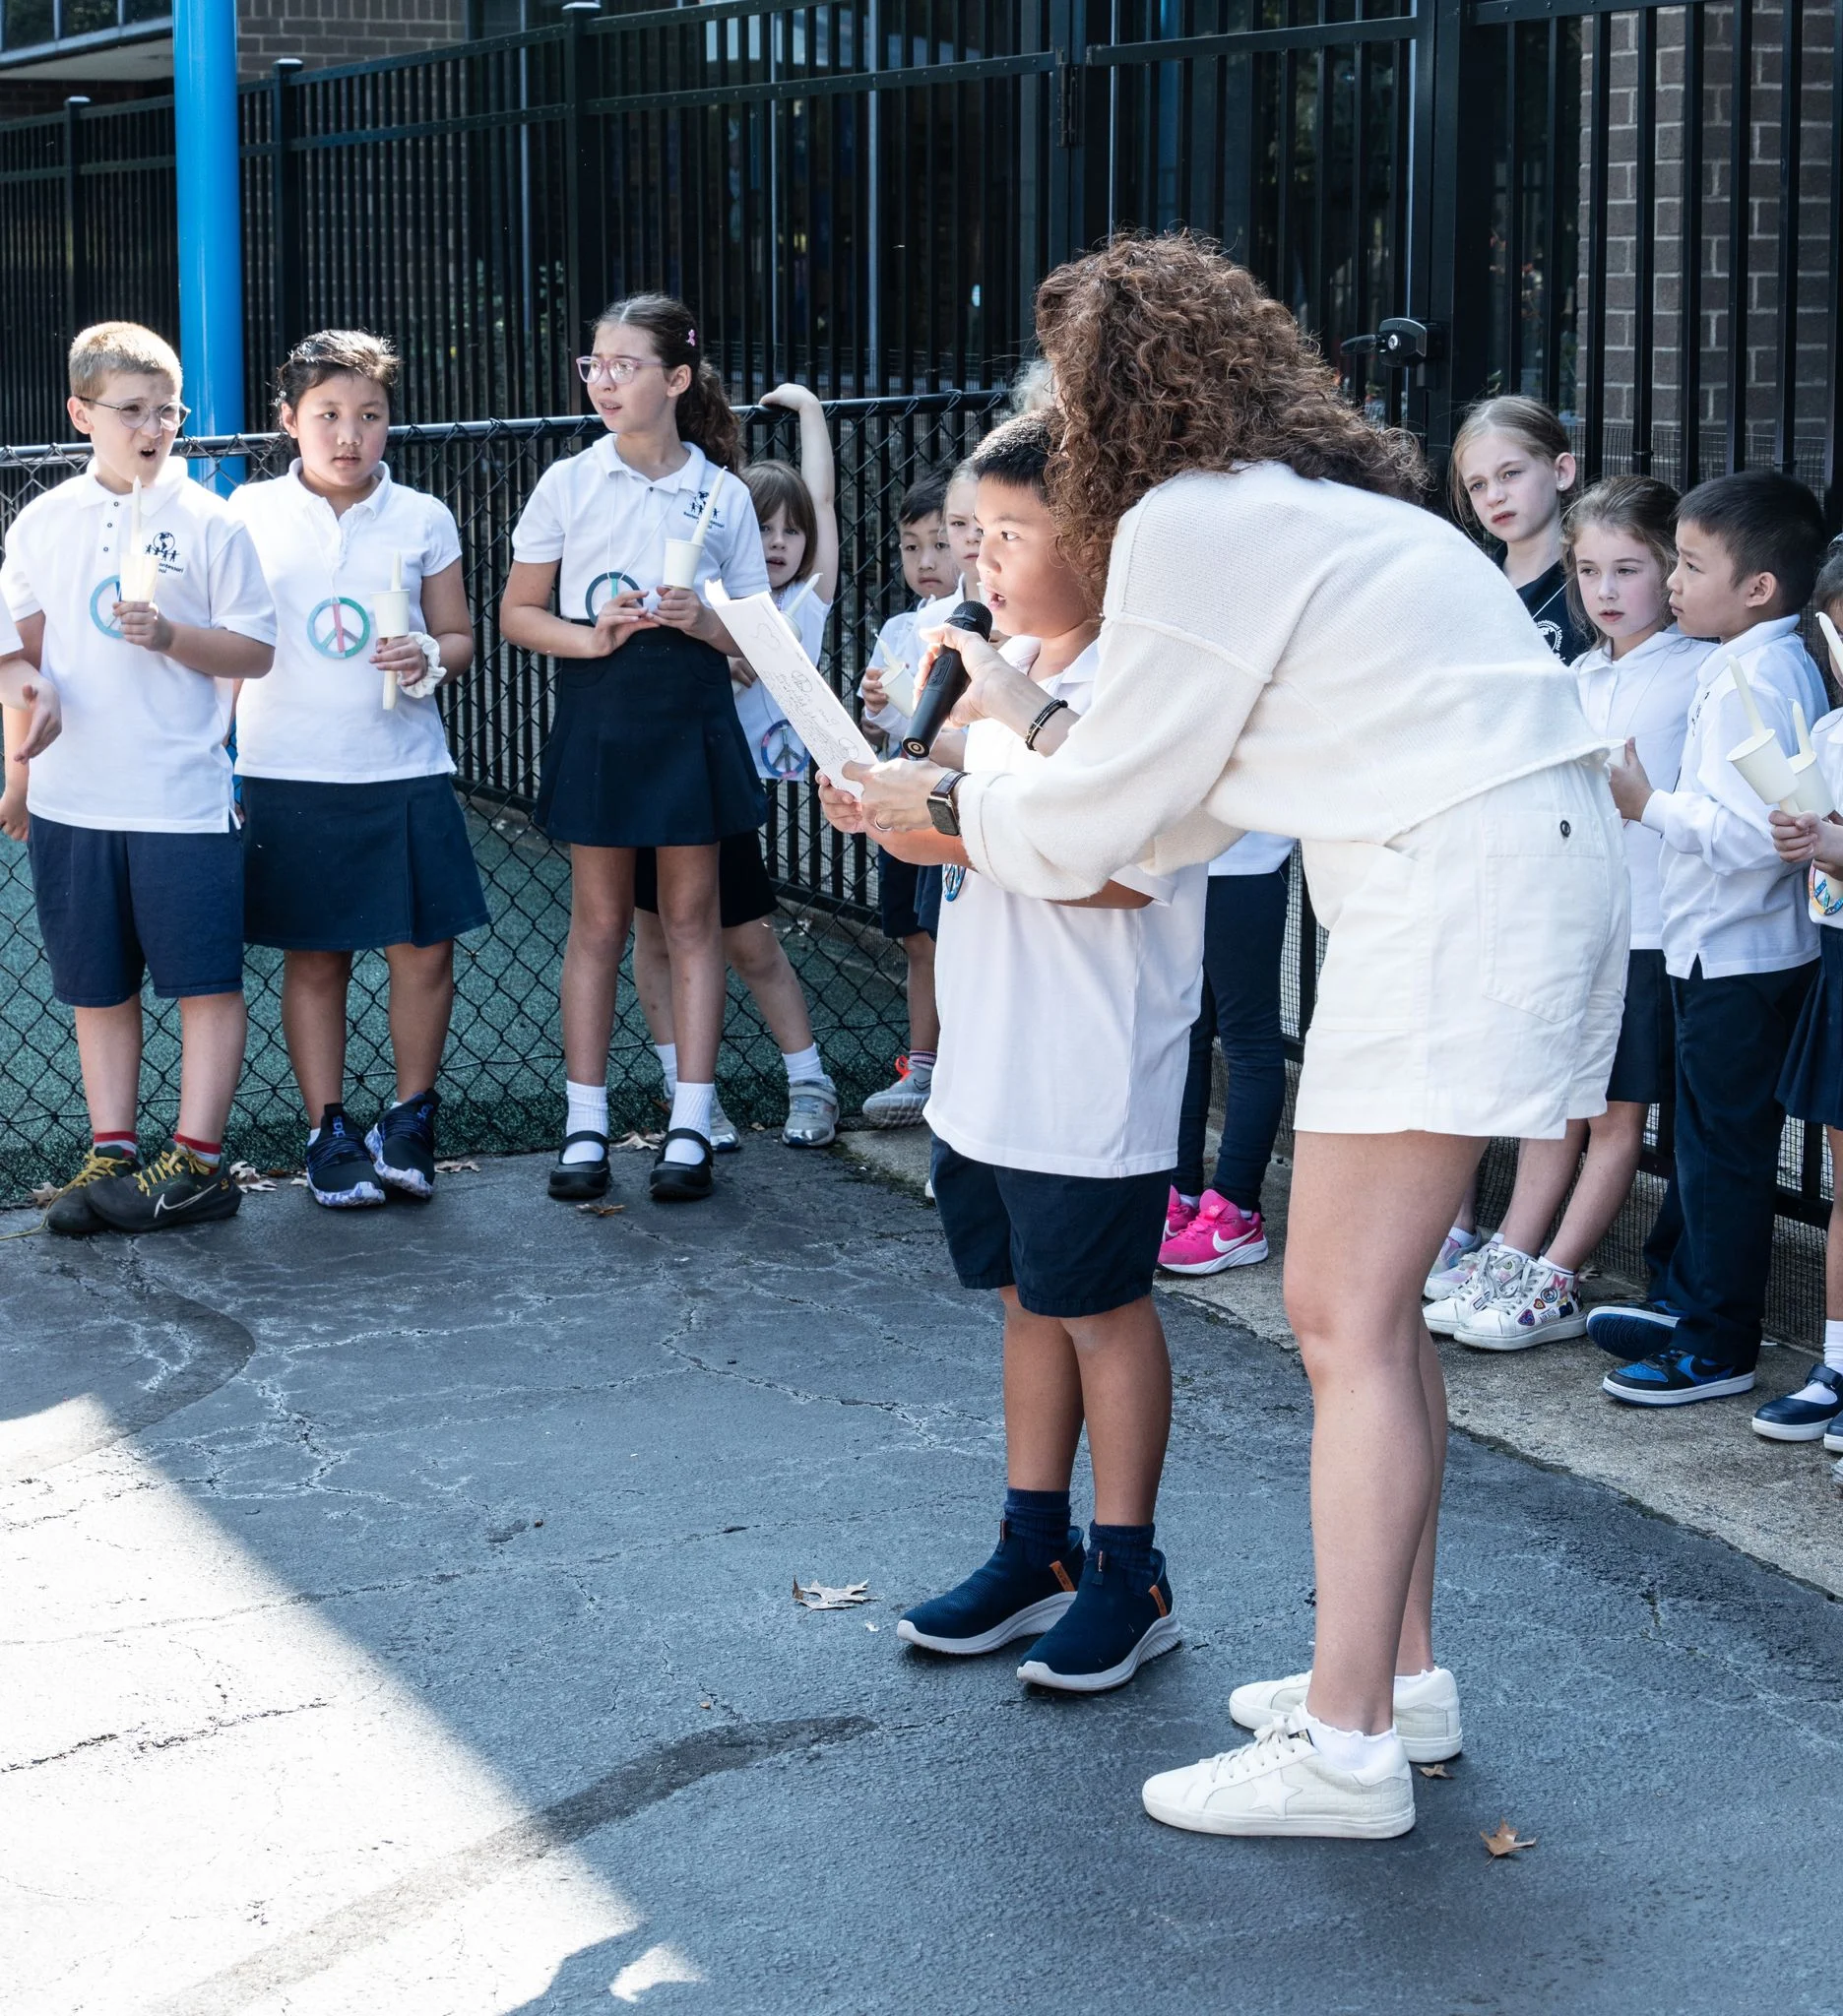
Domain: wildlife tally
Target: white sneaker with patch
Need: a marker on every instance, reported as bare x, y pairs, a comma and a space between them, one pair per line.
1446, 1274
1426, 1710
1496, 1269
1281, 1784
1541, 1304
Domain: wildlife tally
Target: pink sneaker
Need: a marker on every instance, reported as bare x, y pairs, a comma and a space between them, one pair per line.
1221, 1235
1177, 1214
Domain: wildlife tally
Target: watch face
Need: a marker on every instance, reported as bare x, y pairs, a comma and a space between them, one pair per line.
941, 811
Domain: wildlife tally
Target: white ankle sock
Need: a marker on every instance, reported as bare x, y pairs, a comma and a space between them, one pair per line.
1833, 1346
588, 1112
802, 1066
667, 1054
1350, 1749
691, 1107
1555, 1267
1193, 1202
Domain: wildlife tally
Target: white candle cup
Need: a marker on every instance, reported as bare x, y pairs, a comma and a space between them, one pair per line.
390, 612
1833, 642
898, 683
1812, 794
681, 562
139, 577
1767, 770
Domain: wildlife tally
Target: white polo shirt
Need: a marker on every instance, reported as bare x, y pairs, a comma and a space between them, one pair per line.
607, 526
143, 744
1644, 697
10, 645
1726, 897
778, 751
1065, 1033
319, 715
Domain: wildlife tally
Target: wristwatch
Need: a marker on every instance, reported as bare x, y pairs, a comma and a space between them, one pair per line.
942, 809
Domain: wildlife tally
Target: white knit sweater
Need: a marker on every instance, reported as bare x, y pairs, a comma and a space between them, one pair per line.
1279, 655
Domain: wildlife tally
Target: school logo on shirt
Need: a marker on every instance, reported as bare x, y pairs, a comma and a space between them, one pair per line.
164, 549
338, 627
782, 752
604, 588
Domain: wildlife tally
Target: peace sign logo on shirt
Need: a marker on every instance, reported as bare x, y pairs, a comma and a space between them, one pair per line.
782, 752
608, 586
338, 627
102, 605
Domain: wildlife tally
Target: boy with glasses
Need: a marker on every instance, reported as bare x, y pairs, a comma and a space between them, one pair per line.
142, 600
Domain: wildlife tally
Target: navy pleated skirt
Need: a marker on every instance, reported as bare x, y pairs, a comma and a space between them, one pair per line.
646, 749
1644, 1065
1811, 1085
351, 868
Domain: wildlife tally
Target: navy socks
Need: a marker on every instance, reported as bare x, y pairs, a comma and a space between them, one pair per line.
1039, 1521
1125, 1551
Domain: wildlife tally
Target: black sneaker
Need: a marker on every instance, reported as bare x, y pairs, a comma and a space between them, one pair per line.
1111, 1629
72, 1215
1006, 1598
1673, 1378
402, 1146
1806, 1414
682, 1182
338, 1170
1631, 1330
176, 1189
580, 1182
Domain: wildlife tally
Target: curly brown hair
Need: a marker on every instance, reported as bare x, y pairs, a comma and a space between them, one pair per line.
1167, 356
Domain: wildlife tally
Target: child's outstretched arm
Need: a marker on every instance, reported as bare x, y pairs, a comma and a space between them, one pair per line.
819, 471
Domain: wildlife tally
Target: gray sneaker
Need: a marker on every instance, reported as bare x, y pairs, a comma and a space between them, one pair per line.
723, 1138
899, 1104
812, 1110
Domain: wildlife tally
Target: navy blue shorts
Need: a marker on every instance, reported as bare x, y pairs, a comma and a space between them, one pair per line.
1644, 1065
1071, 1245
1811, 1085
744, 894
114, 906
353, 868
896, 896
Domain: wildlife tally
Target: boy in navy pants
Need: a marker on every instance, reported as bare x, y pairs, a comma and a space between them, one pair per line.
142, 600
1738, 943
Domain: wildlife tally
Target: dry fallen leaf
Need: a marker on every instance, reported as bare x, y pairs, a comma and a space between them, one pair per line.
637, 1140
602, 1210
1506, 1841
1433, 1771
817, 1597
456, 1168
247, 1176
46, 1195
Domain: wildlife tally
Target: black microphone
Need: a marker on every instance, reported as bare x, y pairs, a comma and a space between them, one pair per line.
947, 680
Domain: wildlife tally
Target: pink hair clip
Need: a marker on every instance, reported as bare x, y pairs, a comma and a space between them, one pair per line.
691, 339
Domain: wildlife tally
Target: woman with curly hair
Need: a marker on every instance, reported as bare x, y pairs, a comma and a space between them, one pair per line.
1291, 645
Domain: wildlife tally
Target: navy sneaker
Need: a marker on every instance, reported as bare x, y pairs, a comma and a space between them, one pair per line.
401, 1146
1673, 1378
1006, 1598
1803, 1416
1113, 1627
340, 1174
1630, 1330
1833, 1437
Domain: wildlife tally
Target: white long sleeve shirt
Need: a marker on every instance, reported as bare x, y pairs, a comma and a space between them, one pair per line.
1279, 655
1727, 899
1644, 697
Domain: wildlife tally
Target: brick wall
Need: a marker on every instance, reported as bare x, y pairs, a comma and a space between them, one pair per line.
1724, 322
323, 33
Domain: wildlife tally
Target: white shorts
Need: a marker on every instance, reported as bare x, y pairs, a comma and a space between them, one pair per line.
1474, 977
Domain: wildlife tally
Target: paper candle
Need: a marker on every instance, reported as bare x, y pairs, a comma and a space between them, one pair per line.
137, 578
1835, 643
1748, 704
393, 620
1764, 765
798, 596
1813, 794
709, 511
681, 562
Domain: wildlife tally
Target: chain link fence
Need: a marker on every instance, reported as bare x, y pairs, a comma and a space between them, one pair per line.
502, 1076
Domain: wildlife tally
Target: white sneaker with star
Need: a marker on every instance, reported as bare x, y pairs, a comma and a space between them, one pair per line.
1426, 1710
1281, 1784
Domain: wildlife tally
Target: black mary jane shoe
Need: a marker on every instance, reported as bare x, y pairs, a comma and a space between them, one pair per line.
580, 1182
683, 1182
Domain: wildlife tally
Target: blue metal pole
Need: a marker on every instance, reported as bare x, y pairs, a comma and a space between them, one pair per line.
211, 238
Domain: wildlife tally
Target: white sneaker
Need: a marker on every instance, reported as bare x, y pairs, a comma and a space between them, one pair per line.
1426, 1710
901, 1104
812, 1114
1497, 1268
1541, 1304
1280, 1784
1454, 1248
723, 1138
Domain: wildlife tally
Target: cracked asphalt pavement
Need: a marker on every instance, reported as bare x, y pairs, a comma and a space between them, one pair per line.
396, 1615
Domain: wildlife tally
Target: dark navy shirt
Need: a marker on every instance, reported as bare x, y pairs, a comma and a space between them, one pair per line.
1546, 599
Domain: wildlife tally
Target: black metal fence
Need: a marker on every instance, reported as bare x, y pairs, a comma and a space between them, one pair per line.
503, 1081
1633, 211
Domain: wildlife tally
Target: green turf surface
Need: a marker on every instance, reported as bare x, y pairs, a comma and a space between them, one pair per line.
502, 1079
